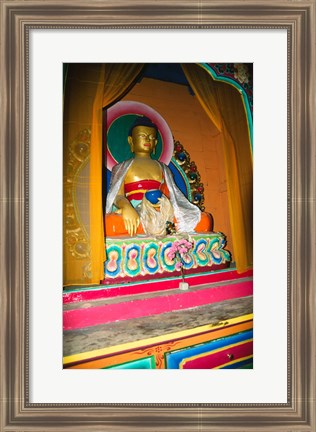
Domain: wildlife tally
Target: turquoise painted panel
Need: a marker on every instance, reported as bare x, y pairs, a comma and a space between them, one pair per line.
174, 358
144, 363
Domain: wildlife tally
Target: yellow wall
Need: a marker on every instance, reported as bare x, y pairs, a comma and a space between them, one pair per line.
190, 125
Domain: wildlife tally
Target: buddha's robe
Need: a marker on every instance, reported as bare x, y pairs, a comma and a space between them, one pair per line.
187, 215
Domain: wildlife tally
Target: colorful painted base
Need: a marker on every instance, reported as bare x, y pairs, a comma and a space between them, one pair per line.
227, 345
141, 258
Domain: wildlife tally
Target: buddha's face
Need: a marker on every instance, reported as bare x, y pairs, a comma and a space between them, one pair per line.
143, 140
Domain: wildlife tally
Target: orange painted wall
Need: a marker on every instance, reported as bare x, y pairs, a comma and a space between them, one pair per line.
196, 132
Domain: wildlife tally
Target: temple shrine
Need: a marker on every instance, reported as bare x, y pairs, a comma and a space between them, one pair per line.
158, 216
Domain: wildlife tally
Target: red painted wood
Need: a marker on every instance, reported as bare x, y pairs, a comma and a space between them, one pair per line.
99, 293
87, 317
220, 358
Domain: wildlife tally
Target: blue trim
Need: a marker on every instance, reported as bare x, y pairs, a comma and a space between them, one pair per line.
174, 358
180, 178
108, 180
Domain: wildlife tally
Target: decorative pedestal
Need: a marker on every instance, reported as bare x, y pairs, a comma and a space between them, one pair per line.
143, 258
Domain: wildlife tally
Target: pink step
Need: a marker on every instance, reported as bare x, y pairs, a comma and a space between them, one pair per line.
97, 315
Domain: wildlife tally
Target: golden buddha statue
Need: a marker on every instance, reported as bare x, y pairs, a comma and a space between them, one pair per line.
143, 197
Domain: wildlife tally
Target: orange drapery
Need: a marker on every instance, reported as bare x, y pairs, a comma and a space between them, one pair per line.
89, 88
223, 104
115, 79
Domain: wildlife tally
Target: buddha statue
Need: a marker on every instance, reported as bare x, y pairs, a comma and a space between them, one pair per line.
143, 197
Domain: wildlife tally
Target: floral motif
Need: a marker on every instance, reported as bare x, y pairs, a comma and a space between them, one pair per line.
182, 157
76, 237
208, 250
179, 251
241, 72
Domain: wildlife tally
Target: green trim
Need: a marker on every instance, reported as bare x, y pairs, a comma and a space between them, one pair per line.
243, 94
247, 366
143, 363
149, 281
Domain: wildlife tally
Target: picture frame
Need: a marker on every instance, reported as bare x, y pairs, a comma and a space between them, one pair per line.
17, 18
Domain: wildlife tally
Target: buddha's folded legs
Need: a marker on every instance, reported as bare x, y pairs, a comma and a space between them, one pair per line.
205, 224
114, 225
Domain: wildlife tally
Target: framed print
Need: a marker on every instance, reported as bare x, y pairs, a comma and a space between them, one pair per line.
38, 38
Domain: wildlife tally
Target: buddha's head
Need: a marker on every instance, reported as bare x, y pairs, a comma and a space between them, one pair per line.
142, 136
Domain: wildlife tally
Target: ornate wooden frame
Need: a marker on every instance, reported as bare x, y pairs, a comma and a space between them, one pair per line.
298, 18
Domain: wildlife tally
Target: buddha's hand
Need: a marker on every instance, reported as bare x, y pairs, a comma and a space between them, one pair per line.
131, 220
